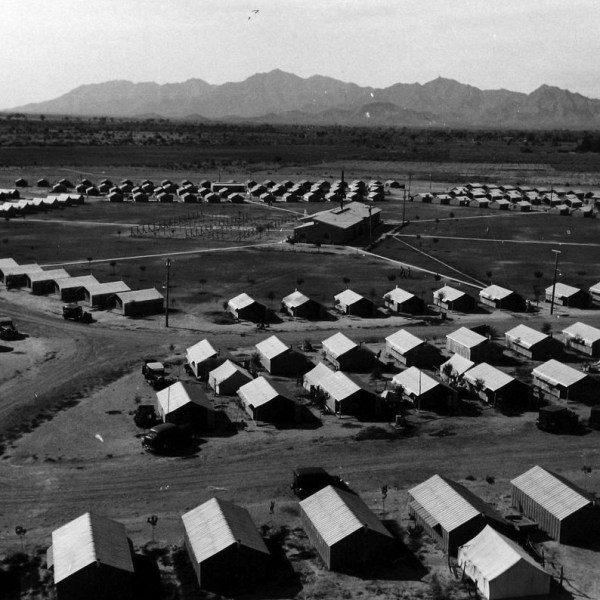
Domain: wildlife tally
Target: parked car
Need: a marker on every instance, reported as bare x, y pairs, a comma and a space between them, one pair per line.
167, 437
309, 480
558, 419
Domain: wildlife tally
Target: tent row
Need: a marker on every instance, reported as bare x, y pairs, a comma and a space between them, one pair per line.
16, 208
114, 295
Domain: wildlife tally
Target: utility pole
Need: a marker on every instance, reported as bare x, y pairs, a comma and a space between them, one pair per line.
557, 252
370, 226
168, 266
404, 198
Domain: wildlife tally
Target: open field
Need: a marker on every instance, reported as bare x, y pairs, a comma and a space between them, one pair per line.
67, 383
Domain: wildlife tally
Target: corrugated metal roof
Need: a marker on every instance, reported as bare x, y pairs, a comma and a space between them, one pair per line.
200, 352
587, 333
403, 341
112, 287
460, 365
338, 385
295, 299
557, 373
348, 297
336, 514
494, 554
525, 336
48, 275
555, 494
225, 371
495, 292
140, 295
74, 282
415, 382
177, 395
216, 525
314, 376
449, 503
399, 295
493, 379
272, 347
241, 301
467, 337
88, 539
562, 290
450, 294
260, 391
338, 344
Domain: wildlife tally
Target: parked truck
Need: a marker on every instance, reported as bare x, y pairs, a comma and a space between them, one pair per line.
74, 312
8, 331
558, 419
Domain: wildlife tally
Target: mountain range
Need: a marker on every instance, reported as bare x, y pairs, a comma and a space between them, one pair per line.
284, 98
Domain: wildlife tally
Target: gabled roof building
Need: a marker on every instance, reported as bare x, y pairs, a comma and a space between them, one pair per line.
567, 295
227, 378
298, 305
43, 282
278, 358
345, 354
401, 301
92, 559
423, 391
137, 303
564, 511
185, 404
583, 338
343, 530
246, 308
500, 568
408, 350
469, 344
530, 343
202, 357
224, 546
267, 401
449, 298
560, 381
499, 297
349, 302
450, 513
493, 385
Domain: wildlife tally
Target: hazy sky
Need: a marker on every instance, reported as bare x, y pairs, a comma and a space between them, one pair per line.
49, 47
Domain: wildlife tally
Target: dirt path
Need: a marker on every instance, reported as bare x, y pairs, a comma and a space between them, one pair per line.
507, 241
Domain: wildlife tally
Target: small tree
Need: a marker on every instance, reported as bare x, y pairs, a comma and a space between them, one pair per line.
113, 264
391, 277
299, 281
546, 328
538, 274
346, 280
488, 274
271, 297
448, 371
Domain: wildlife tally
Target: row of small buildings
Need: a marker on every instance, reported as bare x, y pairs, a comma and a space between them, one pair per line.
91, 557
23, 207
111, 295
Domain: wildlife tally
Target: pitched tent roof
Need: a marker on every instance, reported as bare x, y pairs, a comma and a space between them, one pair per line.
450, 294
403, 341
495, 292
88, 539
241, 301
562, 290
594, 289
495, 554
447, 503
415, 382
21, 270
314, 376
460, 365
399, 295
493, 378
225, 371
139, 295
260, 391
177, 395
216, 525
466, 337
338, 344
527, 336
295, 299
557, 373
348, 297
587, 333
272, 347
552, 492
201, 351
336, 514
